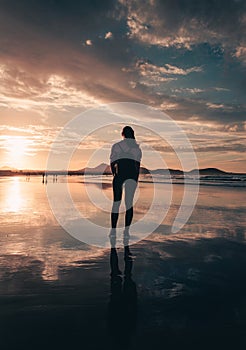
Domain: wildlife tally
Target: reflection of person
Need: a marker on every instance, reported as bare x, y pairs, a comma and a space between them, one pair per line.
122, 310
125, 160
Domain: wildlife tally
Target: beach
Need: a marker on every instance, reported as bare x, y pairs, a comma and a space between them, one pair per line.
176, 290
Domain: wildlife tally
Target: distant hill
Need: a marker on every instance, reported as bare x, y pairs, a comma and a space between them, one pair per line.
102, 168
204, 171
144, 170
8, 168
105, 169
209, 171
166, 172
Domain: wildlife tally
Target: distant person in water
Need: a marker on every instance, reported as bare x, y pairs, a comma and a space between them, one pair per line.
125, 161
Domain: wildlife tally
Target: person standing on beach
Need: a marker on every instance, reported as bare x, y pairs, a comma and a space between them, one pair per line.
125, 161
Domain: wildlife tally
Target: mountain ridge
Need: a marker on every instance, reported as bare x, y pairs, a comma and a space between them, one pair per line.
105, 169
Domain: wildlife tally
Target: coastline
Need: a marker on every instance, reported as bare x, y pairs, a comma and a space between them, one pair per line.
222, 181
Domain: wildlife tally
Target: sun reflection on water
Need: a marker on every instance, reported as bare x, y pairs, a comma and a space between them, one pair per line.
32, 241
13, 198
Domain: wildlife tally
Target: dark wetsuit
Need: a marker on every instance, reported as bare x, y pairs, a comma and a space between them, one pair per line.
125, 164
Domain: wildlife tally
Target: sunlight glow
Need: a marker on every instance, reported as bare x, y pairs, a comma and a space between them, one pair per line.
16, 148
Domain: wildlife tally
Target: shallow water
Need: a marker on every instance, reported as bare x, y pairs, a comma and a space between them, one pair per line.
184, 289
29, 228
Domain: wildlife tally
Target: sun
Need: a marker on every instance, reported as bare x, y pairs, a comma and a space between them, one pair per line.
15, 149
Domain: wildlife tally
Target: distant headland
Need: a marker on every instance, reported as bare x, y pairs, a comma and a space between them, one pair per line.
104, 169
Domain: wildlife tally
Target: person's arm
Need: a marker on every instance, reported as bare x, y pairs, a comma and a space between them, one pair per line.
137, 166
137, 161
113, 160
114, 168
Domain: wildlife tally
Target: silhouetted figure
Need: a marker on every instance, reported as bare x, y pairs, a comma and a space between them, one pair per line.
125, 160
43, 175
122, 311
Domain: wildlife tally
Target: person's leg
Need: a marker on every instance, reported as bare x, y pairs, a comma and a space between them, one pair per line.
130, 188
117, 191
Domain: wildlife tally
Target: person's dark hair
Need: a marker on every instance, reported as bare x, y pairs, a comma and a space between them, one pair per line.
128, 132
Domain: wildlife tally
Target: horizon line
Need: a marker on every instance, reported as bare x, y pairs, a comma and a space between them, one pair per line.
78, 170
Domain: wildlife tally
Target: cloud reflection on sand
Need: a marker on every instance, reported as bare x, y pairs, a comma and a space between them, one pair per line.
53, 249
29, 232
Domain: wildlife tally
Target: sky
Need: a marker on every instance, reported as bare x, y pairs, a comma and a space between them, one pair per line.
186, 58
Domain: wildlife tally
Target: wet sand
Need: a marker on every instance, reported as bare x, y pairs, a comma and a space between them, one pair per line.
183, 290
181, 293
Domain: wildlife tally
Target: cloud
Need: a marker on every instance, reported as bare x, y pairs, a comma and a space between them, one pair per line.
173, 23
142, 32
45, 69
35, 51
240, 53
22, 92
189, 90
204, 139
88, 42
167, 106
108, 35
219, 106
195, 108
146, 68
220, 89
169, 69
152, 75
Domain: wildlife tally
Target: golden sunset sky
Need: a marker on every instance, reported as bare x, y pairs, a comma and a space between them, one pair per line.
185, 58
